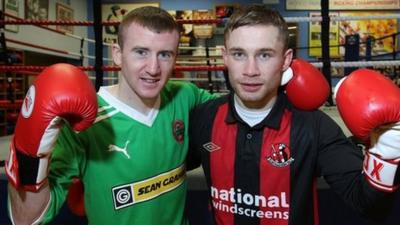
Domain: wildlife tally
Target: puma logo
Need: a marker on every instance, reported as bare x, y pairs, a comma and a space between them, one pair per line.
119, 149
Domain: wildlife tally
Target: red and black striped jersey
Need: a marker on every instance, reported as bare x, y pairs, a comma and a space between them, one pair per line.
266, 174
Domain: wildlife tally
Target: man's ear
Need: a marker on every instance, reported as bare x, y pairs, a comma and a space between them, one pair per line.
288, 57
224, 54
117, 54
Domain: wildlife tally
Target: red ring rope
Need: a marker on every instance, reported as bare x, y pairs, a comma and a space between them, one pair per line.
7, 104
41, 26
18, 68
37, 46
91, 23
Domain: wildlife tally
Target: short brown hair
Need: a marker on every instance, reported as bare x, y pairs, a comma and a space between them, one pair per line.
257, 15
153, 18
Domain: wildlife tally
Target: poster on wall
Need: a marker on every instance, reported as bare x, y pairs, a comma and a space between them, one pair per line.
315, 37
223, 12
37, 9
378, 29
12, 8
64, 13
344, 4
114, 13
186, 29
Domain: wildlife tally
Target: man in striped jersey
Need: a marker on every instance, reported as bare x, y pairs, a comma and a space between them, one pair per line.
262, 154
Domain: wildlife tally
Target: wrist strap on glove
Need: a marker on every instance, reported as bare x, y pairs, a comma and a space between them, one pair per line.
24, 171
382, 174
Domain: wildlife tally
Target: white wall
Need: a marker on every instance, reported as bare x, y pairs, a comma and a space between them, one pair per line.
38, 36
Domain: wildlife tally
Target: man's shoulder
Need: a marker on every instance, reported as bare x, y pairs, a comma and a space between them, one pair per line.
174, 86
185, 90
213, 104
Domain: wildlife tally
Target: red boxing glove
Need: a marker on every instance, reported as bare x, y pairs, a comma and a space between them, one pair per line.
75, 198
60, 92
367, 99
308, 88
369, 104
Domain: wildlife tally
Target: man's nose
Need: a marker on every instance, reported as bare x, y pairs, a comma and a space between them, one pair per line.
251, 67
153, 66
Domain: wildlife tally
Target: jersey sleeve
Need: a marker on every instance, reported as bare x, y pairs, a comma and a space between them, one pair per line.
336, 155
193, 159
66, 162
340, 163
200, 95
200, 126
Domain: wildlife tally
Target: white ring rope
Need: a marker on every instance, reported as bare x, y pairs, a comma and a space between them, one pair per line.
340, 18
88, 56
86, 39
196, 79
204, 62
105, 78
287, 19
316, 64
172, 78
360, 63
320, 64
198, 47
80, 38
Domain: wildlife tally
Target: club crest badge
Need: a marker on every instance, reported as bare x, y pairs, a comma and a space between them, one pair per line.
29, 102
178, 130
279, 155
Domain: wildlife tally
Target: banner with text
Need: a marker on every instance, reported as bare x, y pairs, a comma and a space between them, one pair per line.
344, 4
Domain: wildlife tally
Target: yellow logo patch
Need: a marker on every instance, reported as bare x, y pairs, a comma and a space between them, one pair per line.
144, 190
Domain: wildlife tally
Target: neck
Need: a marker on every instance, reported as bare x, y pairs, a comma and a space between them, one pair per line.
250, 115
126, 95
259, 108
267, 102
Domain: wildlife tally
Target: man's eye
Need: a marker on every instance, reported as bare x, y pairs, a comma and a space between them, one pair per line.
140, 52
165, 55
264, 56
238, 55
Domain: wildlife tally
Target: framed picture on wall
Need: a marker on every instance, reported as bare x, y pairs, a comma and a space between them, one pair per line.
64, 13
114, 13
37, 9
12, 8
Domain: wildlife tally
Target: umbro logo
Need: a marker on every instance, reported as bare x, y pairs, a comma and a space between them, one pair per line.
211, 147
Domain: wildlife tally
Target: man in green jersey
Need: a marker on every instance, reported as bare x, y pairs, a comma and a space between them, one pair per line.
132, 159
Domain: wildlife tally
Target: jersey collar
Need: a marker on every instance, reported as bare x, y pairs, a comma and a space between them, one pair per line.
273, 119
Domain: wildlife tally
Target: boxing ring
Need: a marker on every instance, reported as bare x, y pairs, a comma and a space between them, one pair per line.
196, 180
206, 64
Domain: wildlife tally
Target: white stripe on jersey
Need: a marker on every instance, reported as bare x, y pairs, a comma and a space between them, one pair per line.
101, 109
106, 115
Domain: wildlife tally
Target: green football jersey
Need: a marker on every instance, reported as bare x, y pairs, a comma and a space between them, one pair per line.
132, 165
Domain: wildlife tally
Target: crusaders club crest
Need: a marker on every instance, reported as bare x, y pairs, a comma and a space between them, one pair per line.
279, 155
178, 130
